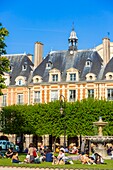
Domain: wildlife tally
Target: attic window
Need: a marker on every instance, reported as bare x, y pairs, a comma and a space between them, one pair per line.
24, 67
37, 80
90, 77
49, 65
72, 76
20, 82
55, 77
88, 63
110, 77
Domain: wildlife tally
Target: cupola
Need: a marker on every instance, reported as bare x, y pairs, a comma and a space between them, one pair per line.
73, 40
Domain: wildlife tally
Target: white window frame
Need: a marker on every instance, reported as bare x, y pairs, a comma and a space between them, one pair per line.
20, 80
54, 72
88, 63
110, 93
72, 71
54, 95
48, 65
72, 76
20, 100
4, 100
24, 67
90, 93
36, 96
72, 95
54, 77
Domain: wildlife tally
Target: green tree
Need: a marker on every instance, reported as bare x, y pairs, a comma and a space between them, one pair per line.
4, 62
41, 119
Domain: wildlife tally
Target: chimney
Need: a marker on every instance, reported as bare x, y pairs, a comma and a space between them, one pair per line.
106, 50
38, 53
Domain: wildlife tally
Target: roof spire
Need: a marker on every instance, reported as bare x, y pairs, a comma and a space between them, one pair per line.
73, 26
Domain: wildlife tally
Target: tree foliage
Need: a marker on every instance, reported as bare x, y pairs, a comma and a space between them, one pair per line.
43, 119
4, 62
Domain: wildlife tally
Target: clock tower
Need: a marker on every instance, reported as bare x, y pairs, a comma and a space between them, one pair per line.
72, 40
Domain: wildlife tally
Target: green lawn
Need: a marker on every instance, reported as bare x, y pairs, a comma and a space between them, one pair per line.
76, 165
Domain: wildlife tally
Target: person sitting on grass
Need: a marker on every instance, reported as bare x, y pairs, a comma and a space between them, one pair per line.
15, 158
48, 156
9, 153
27, 158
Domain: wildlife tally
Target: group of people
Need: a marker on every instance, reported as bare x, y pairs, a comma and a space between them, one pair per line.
37, 157
46, 155
10, 154
95, 158
61, 158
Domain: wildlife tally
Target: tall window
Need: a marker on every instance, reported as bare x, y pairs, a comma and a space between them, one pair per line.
54, 95
72, 95
4, 100
19, 98
109, 94
91, 93
55, 77
72, 77
37, 97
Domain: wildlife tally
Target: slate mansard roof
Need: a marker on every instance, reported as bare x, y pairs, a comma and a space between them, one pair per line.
16, 62
84, 61
63, 60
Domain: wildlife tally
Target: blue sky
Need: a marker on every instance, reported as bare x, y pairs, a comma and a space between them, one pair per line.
50, 22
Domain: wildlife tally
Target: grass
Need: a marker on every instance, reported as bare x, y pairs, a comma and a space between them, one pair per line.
76, 165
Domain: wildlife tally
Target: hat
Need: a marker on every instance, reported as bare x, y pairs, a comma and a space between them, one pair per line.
62, 149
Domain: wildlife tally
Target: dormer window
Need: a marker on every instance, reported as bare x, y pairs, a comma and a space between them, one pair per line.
24, 67
20, 80
49, 65
37, 79
90, 77
55, 77
88, 62
109, 76
72, 76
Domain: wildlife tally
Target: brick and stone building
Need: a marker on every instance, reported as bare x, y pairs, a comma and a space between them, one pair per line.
73, 73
